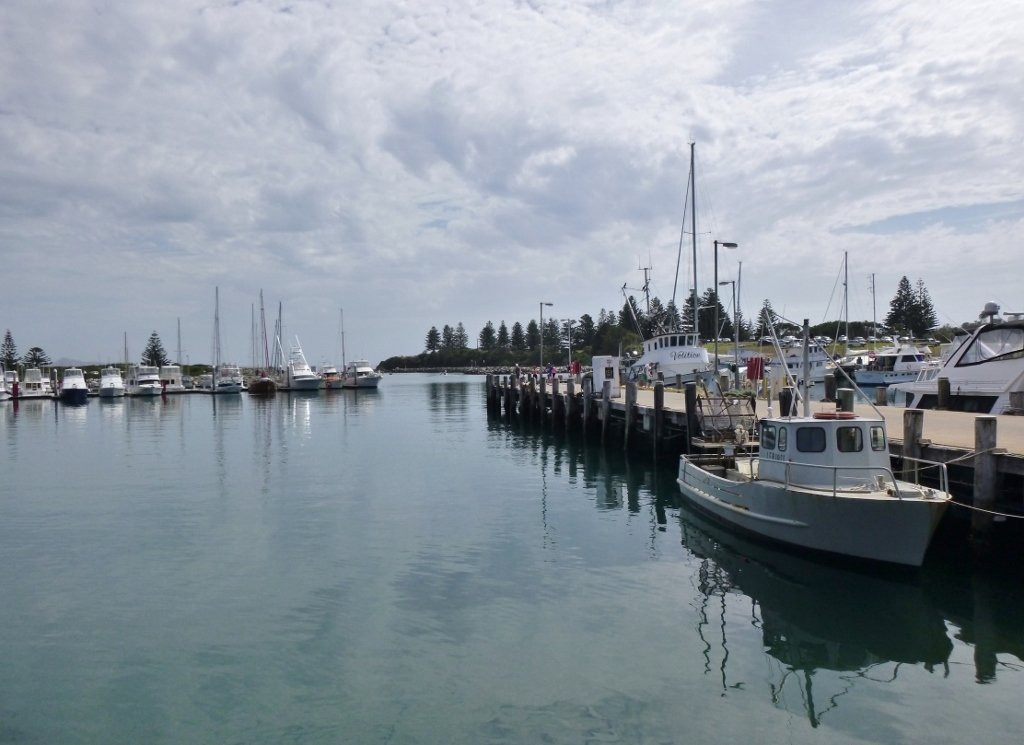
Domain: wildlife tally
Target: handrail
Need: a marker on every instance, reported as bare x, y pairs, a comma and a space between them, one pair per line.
882, 471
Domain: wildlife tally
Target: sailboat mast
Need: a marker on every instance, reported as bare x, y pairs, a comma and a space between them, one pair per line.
342, 310
179, 340
263, 333
846, 295
693, 230
874, 322
216, 331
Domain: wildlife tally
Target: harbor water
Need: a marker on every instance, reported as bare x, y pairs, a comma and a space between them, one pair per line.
396, 567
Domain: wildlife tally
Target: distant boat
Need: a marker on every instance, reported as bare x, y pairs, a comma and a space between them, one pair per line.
226, 378
73, 388
143, 380
358, 373
8, 383
330, 375
111, 383
35, 385
229, 379
262, 384
170, 378
299, 375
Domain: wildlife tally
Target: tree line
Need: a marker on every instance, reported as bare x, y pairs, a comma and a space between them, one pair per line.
153, 354
911, 313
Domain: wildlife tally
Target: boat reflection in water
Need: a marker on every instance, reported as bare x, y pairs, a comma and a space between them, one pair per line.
814, 617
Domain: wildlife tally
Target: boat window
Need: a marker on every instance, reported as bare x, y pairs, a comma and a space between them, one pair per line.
810, 439
849, 439
877, 438
995, 343
675, 341
768, 436
783, 436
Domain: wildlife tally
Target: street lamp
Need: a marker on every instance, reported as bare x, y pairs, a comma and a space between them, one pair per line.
542, 304
723, 244
735, 335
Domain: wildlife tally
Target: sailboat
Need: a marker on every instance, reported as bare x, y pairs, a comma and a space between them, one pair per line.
226, 378
262, 384
676, 353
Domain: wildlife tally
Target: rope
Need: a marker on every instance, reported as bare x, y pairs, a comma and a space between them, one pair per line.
988, 512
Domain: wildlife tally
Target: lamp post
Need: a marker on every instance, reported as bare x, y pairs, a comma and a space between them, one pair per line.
723, 244
735, 335
542, 304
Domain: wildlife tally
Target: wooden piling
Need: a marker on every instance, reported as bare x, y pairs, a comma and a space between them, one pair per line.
690, 401
570, 402
985, 476
880, 399
913, 425
588, 402
556, 401
942, 394
658, 426
606, 409
630, 413
830, 387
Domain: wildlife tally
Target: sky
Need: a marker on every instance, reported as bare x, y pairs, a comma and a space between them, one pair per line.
403, 165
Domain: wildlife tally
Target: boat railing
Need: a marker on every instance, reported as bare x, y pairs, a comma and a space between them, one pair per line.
878, 478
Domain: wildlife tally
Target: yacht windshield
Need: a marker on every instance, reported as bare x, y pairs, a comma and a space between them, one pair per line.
995, 343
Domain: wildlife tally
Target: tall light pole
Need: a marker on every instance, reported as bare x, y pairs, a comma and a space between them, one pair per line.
735, 335
723, 244
542, 304
568, 336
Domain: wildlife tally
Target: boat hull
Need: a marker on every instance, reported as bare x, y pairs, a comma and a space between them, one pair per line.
111, 392
871, 525
74, 396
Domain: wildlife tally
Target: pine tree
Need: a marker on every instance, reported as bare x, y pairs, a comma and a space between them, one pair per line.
924, 312
433, 341
8, 352
901, 307
503, 340
518, 338
487, 339
447, 338
36, 357
154, 353
532, 335
767, 319
461, 337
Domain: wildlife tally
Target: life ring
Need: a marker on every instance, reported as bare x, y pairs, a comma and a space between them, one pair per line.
834, 415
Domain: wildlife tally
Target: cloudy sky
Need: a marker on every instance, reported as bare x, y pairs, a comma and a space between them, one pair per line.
430, 163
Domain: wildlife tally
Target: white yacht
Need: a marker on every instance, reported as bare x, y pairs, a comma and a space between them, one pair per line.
228, 379
983, 369
8, 383
143, 380
170, 378
299, 375
111, 383
790, 365
35, 385
892, 365
359, 374
73, 388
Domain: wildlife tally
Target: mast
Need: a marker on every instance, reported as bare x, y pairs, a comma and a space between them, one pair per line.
179, 340
342, 311
874, 324
263, 334
846, 295
216, 332
693, 231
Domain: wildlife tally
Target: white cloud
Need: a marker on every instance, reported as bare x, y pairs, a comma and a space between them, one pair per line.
460, 161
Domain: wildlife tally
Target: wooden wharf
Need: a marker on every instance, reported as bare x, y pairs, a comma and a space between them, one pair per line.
984, 454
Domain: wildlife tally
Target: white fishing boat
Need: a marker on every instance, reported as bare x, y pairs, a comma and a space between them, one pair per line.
897, 364
73, 388
819, 481
299, 375
143, 381
983, 368
789, 366
329, 375
111, 383
35, 385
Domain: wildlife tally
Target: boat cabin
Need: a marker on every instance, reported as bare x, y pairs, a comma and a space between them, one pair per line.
832, 449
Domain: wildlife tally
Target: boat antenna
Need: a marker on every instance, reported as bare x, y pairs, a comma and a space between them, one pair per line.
693, 230
804, 393
632, 310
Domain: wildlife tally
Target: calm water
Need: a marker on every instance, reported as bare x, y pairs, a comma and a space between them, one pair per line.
395, 568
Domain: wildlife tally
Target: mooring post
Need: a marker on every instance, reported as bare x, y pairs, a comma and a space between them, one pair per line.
630, 413
985, 476
913, 425
606, 408
542, 401
556, 401
658, 427
942, 394
830, 387
570, 402
528, 406
588, 401
690, 401
880, 395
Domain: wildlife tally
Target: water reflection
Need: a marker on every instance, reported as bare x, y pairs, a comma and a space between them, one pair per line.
812, 616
